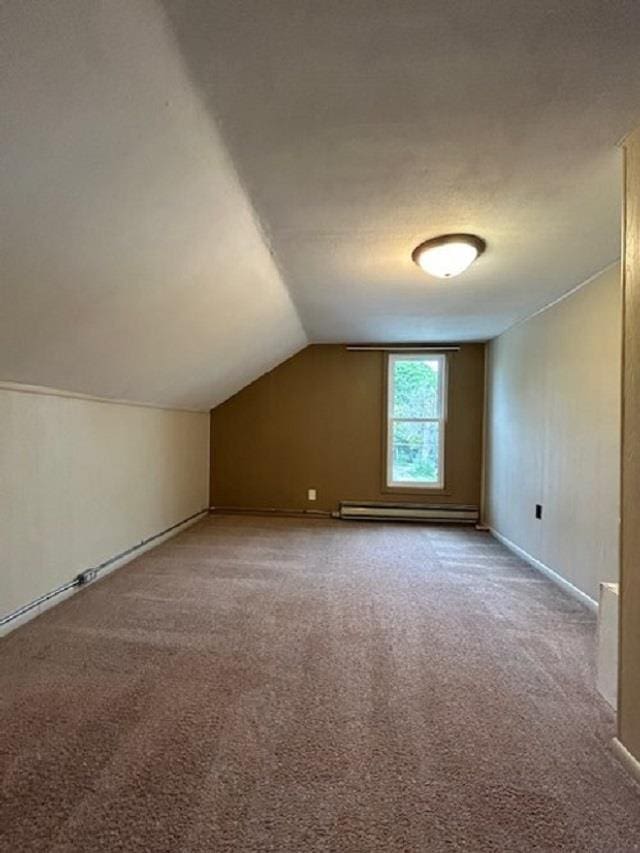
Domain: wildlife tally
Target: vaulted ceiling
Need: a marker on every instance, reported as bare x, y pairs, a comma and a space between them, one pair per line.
361, 128
133, 266
194, 189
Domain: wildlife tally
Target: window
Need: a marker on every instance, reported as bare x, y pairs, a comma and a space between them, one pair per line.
416, 420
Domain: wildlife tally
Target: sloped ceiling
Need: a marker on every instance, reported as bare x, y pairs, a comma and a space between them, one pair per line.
132, 266
134, 262
362, 127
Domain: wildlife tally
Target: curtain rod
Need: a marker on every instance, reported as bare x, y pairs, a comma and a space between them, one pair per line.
401, 348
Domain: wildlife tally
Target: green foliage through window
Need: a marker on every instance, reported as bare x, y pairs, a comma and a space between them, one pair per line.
415, 389
415, 429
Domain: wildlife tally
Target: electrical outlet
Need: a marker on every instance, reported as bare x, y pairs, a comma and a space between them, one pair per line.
311, 494
538, 510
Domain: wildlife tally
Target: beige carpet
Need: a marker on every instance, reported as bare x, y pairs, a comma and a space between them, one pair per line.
289, 685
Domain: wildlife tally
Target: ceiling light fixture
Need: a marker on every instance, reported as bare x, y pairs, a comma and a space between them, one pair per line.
449, 254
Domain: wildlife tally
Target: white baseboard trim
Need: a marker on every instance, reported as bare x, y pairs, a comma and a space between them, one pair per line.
29, 611
566, 585
625, 758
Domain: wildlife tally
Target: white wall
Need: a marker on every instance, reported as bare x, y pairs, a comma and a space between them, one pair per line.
553, 434
83, 480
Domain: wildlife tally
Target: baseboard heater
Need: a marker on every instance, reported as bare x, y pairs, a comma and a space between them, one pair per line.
437, 513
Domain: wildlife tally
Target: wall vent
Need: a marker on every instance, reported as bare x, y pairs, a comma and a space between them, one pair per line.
439, 513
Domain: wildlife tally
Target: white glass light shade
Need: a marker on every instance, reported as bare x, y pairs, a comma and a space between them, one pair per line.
447, 256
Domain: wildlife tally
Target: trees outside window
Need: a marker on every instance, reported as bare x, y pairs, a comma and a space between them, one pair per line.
415, 421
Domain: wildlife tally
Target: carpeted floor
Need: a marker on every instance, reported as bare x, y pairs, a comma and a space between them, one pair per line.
290, 685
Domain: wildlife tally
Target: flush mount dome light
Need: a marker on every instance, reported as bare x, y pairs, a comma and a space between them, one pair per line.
449, 254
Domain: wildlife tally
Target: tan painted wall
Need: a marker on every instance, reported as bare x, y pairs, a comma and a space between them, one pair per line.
553, 424
316, 421
81, 481
629, 686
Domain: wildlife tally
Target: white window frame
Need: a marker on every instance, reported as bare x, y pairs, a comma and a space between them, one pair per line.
441, 419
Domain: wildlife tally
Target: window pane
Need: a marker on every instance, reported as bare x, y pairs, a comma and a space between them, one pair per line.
415, 449
415, 388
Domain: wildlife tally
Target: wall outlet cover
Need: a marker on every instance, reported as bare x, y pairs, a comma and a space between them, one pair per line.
311, 494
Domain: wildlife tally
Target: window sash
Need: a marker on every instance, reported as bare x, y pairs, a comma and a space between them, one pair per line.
417, 420
392, 420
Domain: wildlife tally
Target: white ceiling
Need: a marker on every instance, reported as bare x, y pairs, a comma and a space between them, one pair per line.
361, 128
131, 264
132, 258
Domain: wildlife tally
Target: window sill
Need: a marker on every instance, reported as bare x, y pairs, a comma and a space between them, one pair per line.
437, 491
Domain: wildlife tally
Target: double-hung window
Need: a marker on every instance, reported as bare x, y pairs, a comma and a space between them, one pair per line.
417, 396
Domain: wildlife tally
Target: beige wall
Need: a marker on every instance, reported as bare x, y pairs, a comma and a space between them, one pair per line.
629, 697
82, 480
316, 421
553, 434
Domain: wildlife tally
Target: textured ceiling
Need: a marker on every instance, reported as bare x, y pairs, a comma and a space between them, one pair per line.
148, 148
361, 128
131, 264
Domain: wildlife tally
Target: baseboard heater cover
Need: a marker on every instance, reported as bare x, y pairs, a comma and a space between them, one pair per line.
438, 513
